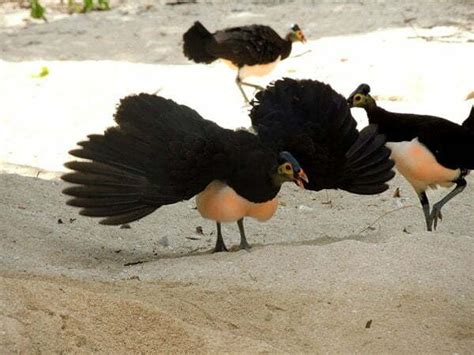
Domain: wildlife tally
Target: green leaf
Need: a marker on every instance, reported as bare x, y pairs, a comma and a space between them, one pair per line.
44, 72
88, 6
104, 5
37, 11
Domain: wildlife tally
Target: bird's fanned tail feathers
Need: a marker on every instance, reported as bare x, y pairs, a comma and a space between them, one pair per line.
367, 167
141, 164
111, 189
313, 122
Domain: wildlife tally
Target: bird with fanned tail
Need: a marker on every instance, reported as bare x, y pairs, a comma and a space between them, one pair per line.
161, 153
428, 151
253, 50
313, 121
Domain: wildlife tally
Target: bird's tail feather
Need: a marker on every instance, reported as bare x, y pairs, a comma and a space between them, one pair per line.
160, 153
196, 41
367, 168
113, 184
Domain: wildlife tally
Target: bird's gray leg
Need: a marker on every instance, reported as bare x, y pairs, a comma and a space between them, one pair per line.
243, 240
239, 83
436, 212
255, 86
220, 246
425, 203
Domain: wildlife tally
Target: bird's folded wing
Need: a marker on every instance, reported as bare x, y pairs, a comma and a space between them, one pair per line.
249, 45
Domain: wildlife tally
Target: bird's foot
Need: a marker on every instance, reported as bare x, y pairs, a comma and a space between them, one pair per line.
219, 249
429, 223
220, 246
428, 227
435, 216
244, 245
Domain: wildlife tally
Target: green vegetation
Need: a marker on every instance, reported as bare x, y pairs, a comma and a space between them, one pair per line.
89, 5
44, 72
37, 10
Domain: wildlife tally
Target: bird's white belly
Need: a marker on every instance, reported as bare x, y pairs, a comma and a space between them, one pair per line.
254, 70
419, 166
219, 202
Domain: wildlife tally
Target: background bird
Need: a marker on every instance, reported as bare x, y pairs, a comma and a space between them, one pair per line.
428, 150
253, 50
162, 153
315, 122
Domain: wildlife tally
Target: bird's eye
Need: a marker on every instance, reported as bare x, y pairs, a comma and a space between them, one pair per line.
357, 98
287, 167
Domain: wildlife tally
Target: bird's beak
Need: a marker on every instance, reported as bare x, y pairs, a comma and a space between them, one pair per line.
303, 38
300, 177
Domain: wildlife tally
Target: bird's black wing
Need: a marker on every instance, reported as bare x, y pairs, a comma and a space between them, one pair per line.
314, 123
247, 45
160, 153
450, 143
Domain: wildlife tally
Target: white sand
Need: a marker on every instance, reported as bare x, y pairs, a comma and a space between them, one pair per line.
318, 272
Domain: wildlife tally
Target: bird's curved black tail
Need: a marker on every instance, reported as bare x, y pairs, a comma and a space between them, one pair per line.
469, 122
367, 167
313, 122
196, 41
152, 158
113, 184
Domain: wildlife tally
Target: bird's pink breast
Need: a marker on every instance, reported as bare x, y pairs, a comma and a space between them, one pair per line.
221, 203
419, 166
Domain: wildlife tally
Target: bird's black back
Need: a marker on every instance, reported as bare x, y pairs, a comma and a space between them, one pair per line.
249, 45
451, 144
469, 121
311, 120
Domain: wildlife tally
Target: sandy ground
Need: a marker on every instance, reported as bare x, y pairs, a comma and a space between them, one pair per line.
332, 272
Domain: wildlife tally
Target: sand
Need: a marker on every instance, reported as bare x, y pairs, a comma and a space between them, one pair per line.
331, 272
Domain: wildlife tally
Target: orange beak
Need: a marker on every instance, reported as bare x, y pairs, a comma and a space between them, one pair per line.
301, 36
300, 177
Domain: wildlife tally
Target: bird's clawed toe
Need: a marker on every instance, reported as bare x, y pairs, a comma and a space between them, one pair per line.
245, 246
219, 248
435, 216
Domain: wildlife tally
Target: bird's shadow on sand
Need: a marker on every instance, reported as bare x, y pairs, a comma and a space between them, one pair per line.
202, 251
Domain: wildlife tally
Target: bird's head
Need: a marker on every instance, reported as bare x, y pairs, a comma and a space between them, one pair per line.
289, 170
295, 34
360, 97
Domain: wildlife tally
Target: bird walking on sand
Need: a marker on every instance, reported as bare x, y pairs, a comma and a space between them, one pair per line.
428, 151
253, 50
161, 153
314, 122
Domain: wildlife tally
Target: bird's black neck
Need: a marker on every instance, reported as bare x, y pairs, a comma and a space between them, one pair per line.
376, 114
262, 191
286, 48
396, 127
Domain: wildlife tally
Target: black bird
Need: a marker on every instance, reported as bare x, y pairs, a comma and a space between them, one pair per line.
315, 122
428, 150
162, 153
253, 50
